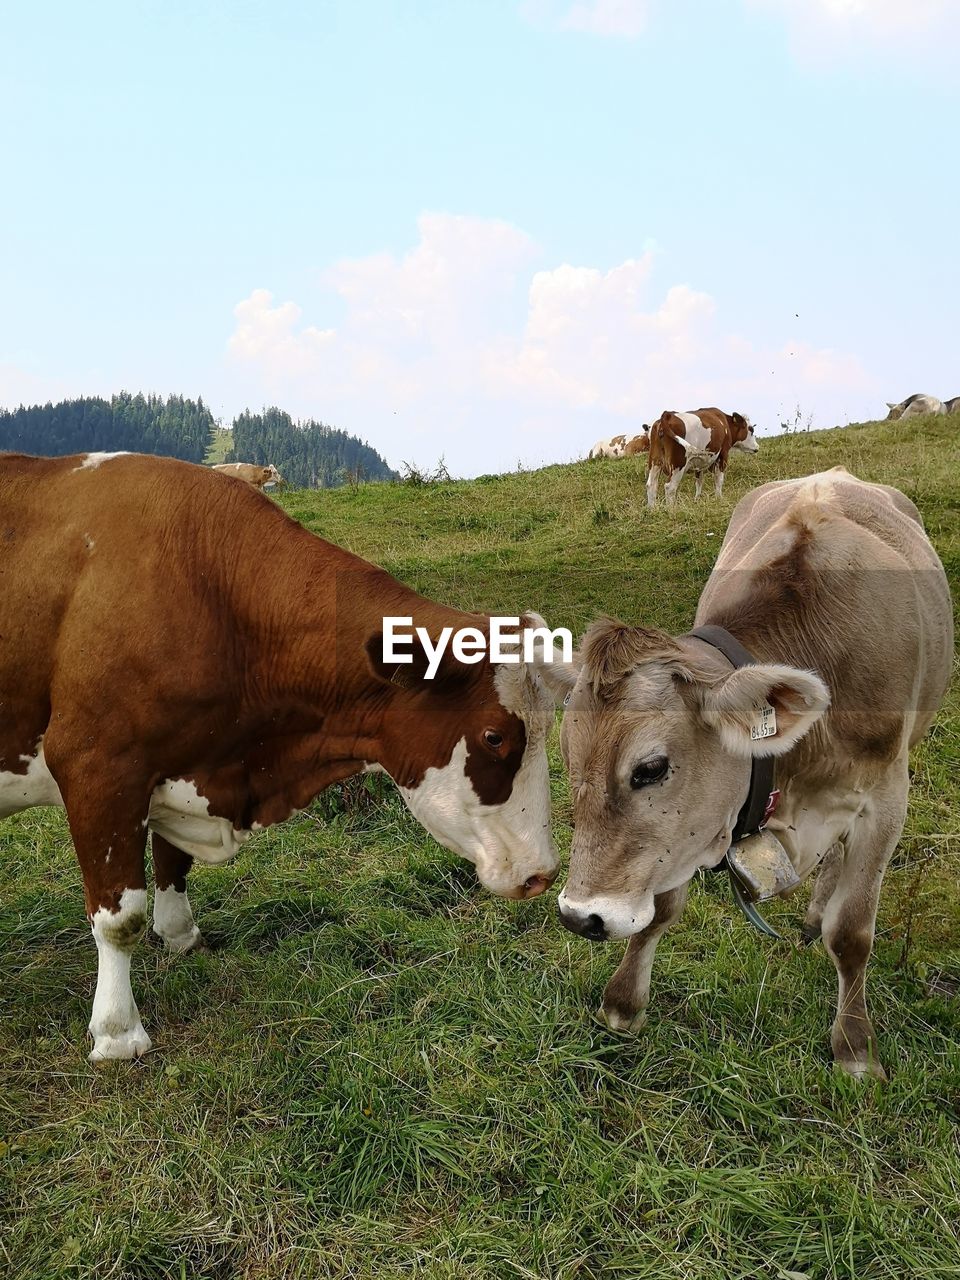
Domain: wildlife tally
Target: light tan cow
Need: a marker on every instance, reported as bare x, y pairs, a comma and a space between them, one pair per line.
832, 586
254, 474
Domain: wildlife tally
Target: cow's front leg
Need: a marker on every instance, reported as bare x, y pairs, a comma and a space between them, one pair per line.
110, 849
172, 916
106, 808
849, 919
627, 994
826, 882
718, 477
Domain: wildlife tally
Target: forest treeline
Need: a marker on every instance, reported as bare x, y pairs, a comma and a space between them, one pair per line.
175, 427
308, 455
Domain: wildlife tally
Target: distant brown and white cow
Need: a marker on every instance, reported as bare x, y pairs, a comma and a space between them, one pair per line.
178, 656
915, 406
638, 444
254, 474
953, 405
836, 593
698, 442
612, 448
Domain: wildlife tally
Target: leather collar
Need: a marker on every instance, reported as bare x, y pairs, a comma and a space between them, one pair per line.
761, 797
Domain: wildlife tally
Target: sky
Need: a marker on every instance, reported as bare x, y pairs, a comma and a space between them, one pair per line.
491, 231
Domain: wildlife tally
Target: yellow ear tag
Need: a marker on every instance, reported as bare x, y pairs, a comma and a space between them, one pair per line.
764, 723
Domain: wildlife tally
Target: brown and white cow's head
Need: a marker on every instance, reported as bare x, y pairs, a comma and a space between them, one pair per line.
467, 750
742, 434
657, 740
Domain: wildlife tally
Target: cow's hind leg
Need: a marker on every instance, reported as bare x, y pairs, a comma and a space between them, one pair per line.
653, 484
627, 994
172, 916
849, 919
672, 485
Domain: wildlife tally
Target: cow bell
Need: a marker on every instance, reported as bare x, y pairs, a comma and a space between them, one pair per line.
760, 868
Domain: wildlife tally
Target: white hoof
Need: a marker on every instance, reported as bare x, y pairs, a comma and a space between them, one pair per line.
619, 1023
122, 1048
190, 940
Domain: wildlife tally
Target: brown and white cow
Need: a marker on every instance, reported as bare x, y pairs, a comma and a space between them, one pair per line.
698, 442
254, 474
611, 448
915, 406
178, 656
742, 434
832, 586
637, 444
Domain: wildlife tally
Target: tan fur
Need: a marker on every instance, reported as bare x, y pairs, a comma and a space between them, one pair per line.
827, 575
253, 474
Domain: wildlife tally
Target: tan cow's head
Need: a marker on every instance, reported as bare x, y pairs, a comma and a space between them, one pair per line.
657, 741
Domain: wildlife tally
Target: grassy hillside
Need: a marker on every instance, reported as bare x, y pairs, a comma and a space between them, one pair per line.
220, 446
384, 1072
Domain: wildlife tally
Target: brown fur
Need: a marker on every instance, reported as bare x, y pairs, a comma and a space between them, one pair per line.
168, 625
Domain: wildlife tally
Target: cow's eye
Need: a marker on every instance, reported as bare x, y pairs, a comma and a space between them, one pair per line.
649, 771
492, 738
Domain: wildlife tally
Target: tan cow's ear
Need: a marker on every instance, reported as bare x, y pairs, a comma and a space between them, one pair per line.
763, 710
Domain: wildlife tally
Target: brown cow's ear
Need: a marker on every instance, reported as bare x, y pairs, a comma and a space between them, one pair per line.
763, 710
413, 675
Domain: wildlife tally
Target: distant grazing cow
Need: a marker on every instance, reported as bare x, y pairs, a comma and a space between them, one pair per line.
914, 407
612, 448
179, 656
699, 442
952, 406
742, 434
256, 475
638, 444
827, 575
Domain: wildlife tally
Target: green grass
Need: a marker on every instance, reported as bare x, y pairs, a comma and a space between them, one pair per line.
384, 1072
220, 446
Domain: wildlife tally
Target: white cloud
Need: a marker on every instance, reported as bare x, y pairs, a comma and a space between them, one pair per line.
460, 347
624, 18
821, 27
607, 17
818, 27
269, 333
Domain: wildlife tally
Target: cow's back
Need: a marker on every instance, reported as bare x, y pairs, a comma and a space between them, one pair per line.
127, 573
847, 564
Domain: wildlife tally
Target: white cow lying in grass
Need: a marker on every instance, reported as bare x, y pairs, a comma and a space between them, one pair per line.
612, 448
916, 406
